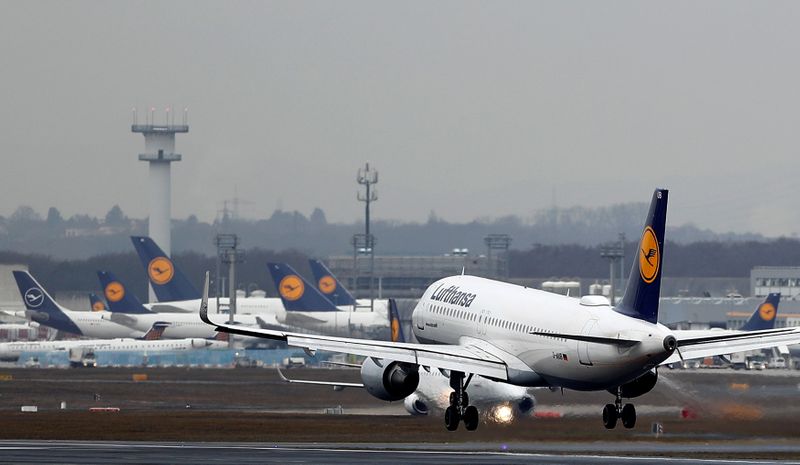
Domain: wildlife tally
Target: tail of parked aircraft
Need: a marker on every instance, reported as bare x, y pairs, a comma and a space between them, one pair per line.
296, 293
40, 306
394, 322
644, 284
168, 282
97, 304
117, 295
329, 285
765, 315
156, 332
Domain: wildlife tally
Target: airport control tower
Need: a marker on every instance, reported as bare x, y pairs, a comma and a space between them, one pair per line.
159, 151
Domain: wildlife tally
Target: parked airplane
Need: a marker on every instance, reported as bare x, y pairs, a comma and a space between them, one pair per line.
762, 318
308, 308
11, 351
96, 303
470, 326
331, 288
168, 283
501, 402
128, 311
307, 312
42, 309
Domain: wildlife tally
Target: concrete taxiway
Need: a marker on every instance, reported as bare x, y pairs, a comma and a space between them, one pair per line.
481, 453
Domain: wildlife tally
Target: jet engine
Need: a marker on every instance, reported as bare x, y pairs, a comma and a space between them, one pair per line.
416, 406
638, 386
388, 380
526, 405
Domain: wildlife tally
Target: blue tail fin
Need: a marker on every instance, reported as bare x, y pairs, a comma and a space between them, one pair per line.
97, 304
394, 320
41, 307
329, 285
765, 315
644, 284
168, 282
118, 297
156, 331
296, 293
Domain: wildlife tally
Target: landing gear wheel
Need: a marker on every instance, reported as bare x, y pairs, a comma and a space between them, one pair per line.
628, 416
610, 416
451, 418
471, 418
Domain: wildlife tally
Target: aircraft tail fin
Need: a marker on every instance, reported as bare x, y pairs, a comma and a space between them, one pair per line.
329, 285
156, 331
644, 284
40, 306
117, 295
168, 281
96, 303
296, 293
765, 315
394, 321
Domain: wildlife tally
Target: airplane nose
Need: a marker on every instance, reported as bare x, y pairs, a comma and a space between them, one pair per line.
670, 343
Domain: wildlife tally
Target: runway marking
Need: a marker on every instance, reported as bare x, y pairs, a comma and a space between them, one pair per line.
350, 450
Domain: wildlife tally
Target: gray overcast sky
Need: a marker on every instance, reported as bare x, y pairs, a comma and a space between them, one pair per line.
467, 108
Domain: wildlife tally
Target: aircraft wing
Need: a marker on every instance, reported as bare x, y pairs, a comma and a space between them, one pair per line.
710, 343
467, 358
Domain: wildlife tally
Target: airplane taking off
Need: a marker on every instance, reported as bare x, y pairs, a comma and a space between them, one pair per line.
502, 402
42, 309
472, 326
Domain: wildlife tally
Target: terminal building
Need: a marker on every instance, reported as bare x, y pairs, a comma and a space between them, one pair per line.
409, 276
767, 279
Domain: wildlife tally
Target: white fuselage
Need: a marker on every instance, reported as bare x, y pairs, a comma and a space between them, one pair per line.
10, 351
96, 325
501, 316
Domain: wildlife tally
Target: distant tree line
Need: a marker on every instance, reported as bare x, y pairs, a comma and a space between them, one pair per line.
82, 236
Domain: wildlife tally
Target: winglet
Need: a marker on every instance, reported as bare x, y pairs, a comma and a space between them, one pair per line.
280, 373
204, 302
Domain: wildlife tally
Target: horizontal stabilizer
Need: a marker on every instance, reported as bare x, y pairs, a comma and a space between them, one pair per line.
730, 343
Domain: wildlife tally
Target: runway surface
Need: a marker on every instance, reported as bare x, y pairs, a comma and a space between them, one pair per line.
480, 453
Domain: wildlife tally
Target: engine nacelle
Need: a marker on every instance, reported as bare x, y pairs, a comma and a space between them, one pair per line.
638, 386
390, 380
416, 406
526, 405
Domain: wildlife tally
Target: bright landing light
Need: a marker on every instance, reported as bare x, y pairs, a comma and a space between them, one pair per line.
503, 414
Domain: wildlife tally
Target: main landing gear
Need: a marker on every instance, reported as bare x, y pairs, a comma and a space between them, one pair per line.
612, 412
459, 408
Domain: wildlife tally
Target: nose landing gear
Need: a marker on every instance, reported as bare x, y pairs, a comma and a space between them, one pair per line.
459, 408
612, 412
